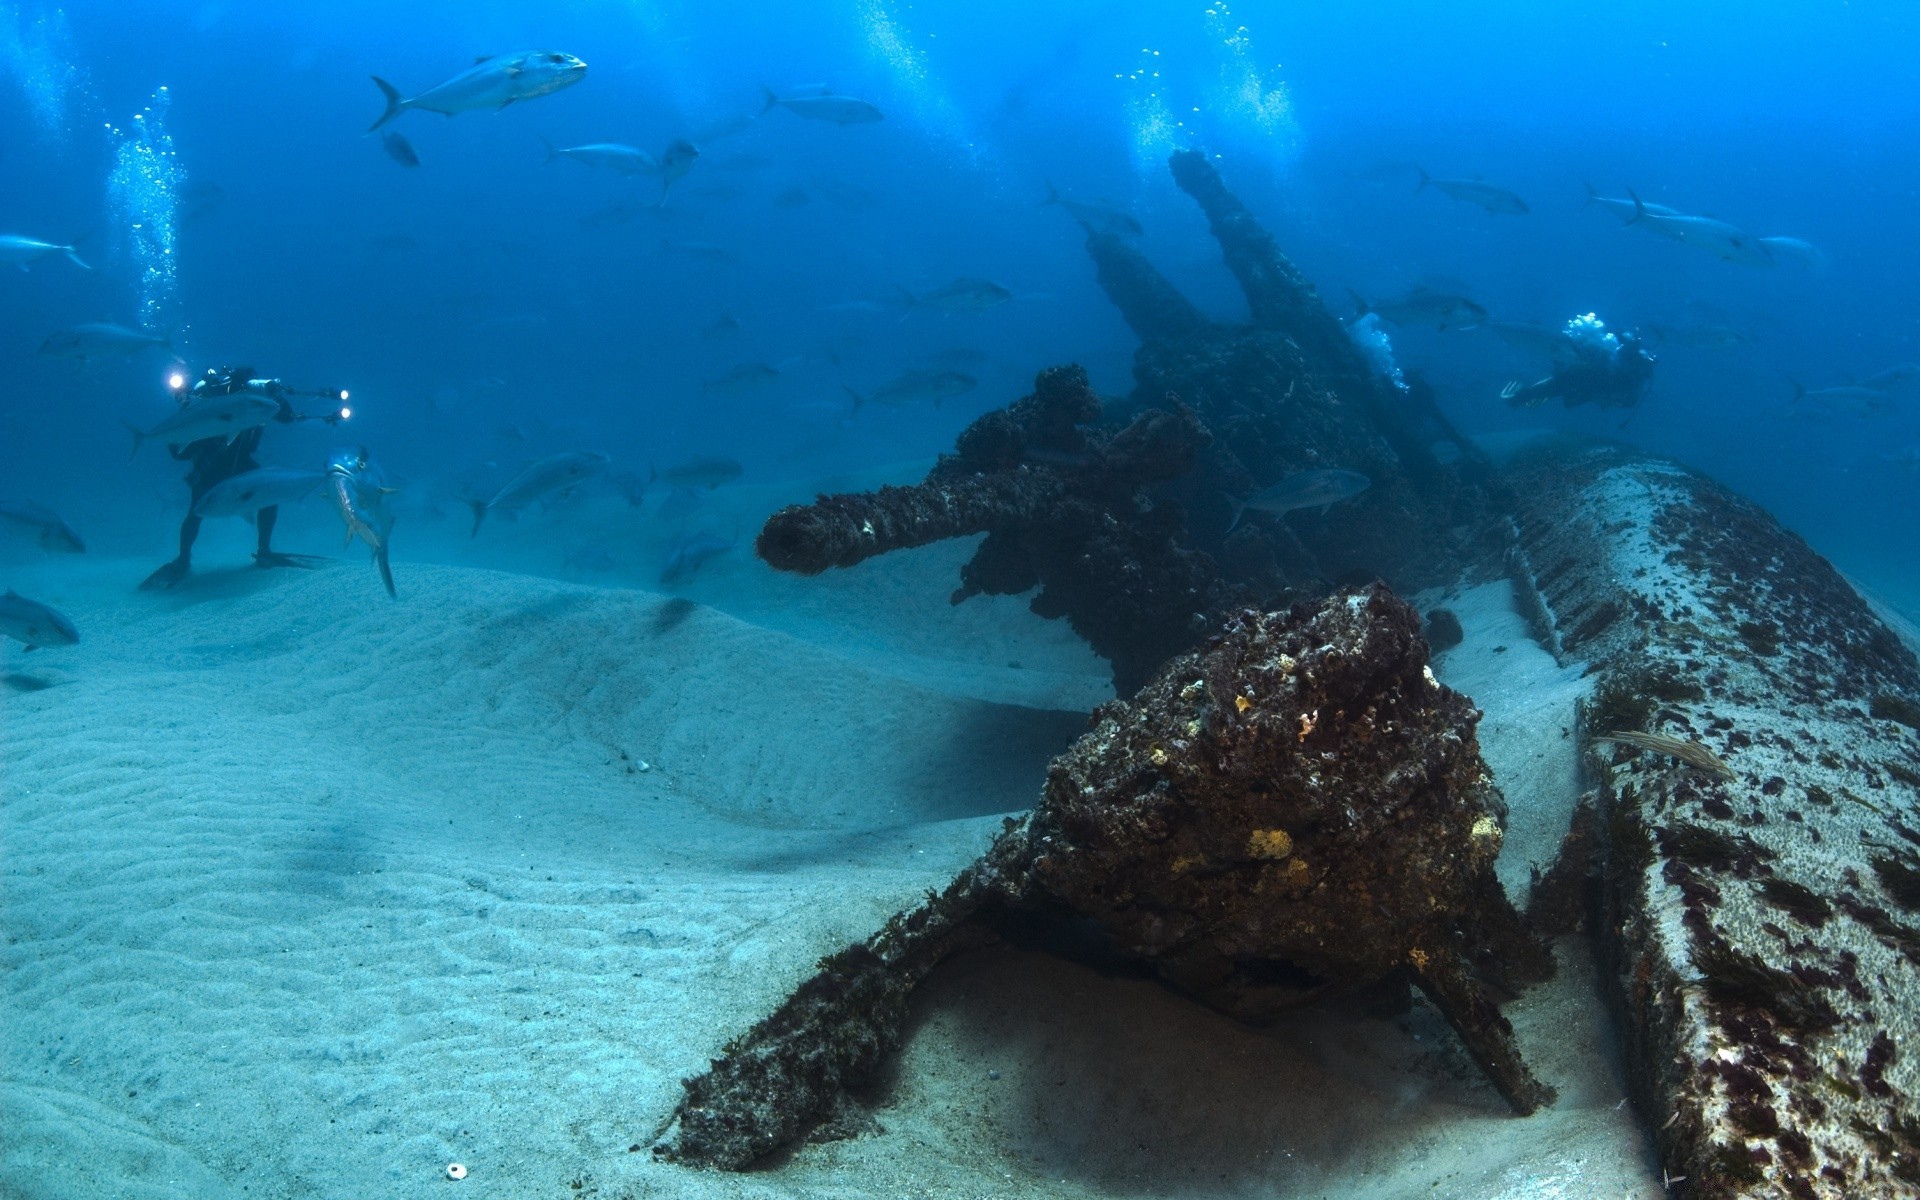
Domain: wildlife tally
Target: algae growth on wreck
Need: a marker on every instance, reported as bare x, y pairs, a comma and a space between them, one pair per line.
880, 599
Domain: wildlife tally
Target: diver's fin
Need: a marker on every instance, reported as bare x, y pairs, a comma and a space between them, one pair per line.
1425, 179
1360, 303
138, 437
858, 400
551, 152
79, 262
772, 100
1639, 208
479, 508
395, 105
1053, 194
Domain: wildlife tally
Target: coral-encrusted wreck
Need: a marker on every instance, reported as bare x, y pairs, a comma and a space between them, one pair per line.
1297, 811
1763, 930
1120, 518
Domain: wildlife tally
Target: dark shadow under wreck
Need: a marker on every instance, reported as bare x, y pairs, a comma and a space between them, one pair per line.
1290, 807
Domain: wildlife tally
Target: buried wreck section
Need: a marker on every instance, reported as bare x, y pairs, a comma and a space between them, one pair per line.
1759, 906
1295, 812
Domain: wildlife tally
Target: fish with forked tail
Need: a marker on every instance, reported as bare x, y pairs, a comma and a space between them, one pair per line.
1303, 489
488, 83
557, 473
357, 487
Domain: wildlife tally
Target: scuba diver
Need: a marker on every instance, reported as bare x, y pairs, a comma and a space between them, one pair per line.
1591, 366
217, 459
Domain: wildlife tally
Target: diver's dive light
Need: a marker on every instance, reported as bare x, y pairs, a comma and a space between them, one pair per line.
176, 381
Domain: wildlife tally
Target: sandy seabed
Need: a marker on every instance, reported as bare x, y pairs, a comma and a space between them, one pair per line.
309, 893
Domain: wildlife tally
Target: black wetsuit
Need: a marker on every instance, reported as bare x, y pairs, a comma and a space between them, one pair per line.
1610, 381
214, 461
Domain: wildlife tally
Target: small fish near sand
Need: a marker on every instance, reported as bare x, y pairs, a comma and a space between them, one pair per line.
545, 477
1303, 489
360, 495
399, 149
491, 82
40, 525
686, 554
1690, 752
33, 624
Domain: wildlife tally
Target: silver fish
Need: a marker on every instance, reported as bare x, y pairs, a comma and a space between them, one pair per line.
687, 553
1495, 200
489, 83
359, 493
1425, 306
1793, 249
1716, 237
1302, 489
23, 252
244, 494
212, 416
1622, 207
1095, 217
966, 294
701, 471
33, 623
915, 386
542, 478
40, 525
102, 339
840, 110
617, 157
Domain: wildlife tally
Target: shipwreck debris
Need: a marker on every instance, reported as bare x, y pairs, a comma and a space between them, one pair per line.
1746, 919
1121, 515
1296, 811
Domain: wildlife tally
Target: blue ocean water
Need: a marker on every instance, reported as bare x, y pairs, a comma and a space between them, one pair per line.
479, 298
213, 160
